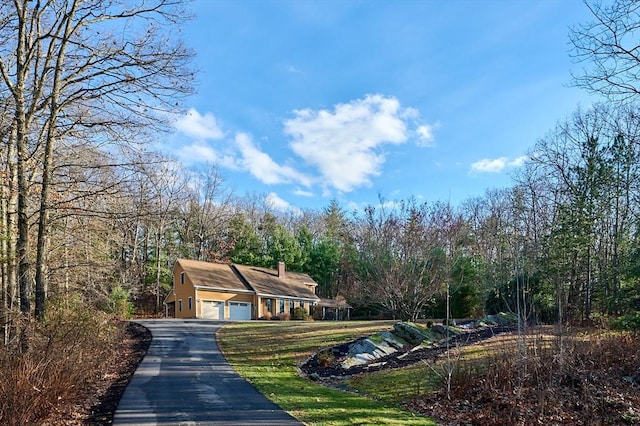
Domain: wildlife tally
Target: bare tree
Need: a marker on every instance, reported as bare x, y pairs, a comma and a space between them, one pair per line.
86, 69
610, 49
205, 215
402, 256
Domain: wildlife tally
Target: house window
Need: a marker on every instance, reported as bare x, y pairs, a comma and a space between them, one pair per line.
302, 303
182, 278
267, 304
292, 304
180, 305
190, 304
282, 306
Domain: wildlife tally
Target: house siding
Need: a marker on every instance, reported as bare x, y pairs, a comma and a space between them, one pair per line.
183, 292
275, 305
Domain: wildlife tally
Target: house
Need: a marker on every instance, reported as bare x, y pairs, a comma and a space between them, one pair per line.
236, 292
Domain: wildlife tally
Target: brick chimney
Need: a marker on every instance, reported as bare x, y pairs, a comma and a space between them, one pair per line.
281, 269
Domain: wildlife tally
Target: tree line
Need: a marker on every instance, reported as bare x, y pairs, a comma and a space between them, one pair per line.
88, 208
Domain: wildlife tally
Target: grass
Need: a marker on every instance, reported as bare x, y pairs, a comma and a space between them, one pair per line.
267, 355
407, 383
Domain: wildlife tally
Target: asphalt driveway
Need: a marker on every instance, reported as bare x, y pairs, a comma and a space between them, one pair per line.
185, 380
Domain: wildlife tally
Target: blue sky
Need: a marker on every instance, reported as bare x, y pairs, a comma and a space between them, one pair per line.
308, 101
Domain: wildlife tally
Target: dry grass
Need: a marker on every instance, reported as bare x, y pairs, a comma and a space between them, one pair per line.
54, 362
587, 378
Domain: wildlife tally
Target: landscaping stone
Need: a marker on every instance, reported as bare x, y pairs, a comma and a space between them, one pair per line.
362, 346
393, 340
410, 332
365, 350
501, 318
388, 350
351, 362
441, 331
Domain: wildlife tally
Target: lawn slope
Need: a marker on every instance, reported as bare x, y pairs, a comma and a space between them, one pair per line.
267, 354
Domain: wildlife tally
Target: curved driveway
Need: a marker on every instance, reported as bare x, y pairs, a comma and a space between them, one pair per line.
185, 380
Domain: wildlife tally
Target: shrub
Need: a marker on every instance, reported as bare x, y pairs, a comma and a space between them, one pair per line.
299, 313
266, 316
284, 316
55, 361
119, 303
325, 358
567, 380
629, 322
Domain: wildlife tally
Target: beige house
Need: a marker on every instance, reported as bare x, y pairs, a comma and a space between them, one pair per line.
236, 292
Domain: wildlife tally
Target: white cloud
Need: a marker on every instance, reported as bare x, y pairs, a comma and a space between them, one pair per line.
262, 166
519, 161
200, 127
488, 165
344, 144
303, 193
425, 135
496, 165
275, 202
201, 153
292, 69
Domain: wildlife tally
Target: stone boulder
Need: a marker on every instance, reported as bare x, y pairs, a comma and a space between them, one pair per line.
393, 340
442, 331
501, 318
411, 333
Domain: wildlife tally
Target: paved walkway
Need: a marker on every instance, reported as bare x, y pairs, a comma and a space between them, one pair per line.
185, 380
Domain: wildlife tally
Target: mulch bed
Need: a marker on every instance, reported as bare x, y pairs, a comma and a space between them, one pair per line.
399, 359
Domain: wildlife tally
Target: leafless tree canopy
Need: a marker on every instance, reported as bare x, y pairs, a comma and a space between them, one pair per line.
608, 47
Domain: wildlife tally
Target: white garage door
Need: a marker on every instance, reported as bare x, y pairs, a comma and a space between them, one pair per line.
212, 310
239, 311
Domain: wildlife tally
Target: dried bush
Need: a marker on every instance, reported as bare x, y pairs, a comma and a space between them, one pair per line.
54, 361
284, 316
580, 380
326, 358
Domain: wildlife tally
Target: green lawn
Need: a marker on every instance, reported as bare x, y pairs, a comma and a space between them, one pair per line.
267, 354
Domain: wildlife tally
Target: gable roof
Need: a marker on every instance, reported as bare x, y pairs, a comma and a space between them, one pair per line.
214, 275
266, 282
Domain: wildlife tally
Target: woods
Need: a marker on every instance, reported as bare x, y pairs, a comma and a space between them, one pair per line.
84, 84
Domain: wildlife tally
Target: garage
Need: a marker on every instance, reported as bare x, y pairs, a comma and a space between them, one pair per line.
212, 310
239, 311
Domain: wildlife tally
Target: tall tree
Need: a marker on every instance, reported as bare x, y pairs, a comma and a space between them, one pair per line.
86, 70
588, 166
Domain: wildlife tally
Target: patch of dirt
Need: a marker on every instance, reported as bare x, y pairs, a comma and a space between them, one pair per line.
400, 359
